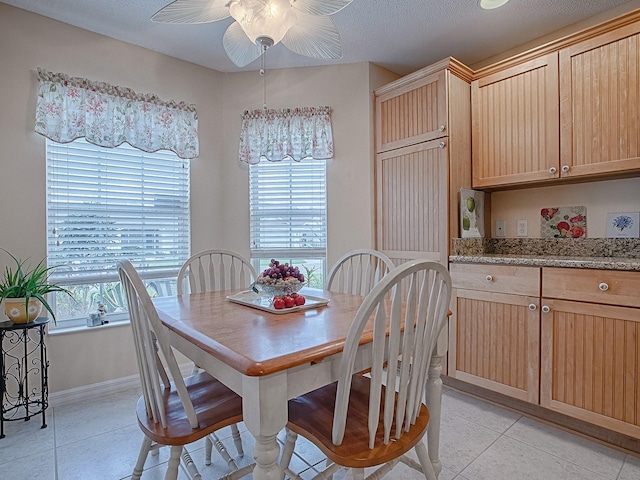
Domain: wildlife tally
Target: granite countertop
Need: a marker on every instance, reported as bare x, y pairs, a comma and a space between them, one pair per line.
603, 263
597, 253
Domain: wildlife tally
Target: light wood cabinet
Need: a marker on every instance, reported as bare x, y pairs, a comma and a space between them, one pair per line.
590, 360
423, 159
494, 334
515, 126
600, 104
412, 113
569, 109
412, 201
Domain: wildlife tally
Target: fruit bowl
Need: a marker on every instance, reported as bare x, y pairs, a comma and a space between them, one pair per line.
280, 279
279, 290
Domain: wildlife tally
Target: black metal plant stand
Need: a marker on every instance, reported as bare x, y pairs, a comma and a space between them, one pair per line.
23, 361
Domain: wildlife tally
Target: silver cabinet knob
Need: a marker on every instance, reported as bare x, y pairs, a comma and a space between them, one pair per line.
489, 278
532, 307
441, 128
553, 170
546, 309
565, 168
603, 286
442, 144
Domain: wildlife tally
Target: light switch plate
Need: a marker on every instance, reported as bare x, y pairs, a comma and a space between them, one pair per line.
501, 228
521, 228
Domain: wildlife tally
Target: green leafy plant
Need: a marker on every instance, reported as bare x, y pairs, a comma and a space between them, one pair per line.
20, 282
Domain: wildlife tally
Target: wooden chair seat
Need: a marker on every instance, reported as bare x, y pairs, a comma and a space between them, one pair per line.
216, 407
354, 451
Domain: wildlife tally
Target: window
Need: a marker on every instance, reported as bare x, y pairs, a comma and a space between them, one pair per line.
105, 204
288, 202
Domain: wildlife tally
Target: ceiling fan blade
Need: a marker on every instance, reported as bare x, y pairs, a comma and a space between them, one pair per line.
320, 7
314, 36
239, 48
192, 11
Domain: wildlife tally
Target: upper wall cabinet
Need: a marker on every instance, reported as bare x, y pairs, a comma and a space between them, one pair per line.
413, 113
566, 109
600, 104
515, 124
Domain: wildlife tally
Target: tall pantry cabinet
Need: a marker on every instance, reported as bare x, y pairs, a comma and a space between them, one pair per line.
423, 159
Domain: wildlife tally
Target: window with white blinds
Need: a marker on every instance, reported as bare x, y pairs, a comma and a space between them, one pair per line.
288, 202
106, 204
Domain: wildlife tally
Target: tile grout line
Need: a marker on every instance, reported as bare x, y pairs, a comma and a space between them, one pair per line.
55, 444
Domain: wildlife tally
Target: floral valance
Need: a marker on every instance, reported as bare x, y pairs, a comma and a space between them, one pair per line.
69, 107
290, 133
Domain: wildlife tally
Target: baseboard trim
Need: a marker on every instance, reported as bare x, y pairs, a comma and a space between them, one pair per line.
100, 389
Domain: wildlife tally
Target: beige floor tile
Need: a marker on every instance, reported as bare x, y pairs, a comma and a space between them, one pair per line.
80, 420
40, 466
461, 441
510, 459
24, 439
485, 414
630, 469
591, 455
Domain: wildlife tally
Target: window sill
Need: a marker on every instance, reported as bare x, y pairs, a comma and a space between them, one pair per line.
84, 328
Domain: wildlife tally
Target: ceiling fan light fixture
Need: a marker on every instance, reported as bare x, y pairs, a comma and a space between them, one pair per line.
491, 4
261, 19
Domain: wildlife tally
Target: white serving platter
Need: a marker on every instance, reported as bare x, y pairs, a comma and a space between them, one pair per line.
263, 302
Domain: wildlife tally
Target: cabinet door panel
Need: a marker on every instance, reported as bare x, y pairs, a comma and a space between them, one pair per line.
591, 363
412, 114
515, 124
600, 103
412, 192
494, 342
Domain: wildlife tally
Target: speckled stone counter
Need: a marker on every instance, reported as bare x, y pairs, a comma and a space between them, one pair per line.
596, 253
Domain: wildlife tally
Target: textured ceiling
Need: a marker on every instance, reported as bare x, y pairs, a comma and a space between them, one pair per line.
400, 35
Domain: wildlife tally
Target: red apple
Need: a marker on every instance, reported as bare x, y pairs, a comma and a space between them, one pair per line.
300, 300
289, 301
278, 303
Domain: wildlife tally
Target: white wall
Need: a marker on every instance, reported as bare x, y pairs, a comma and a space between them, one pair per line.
219, 185
348, 90
28, 41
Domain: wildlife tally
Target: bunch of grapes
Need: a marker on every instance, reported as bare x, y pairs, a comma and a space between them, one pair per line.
280, 274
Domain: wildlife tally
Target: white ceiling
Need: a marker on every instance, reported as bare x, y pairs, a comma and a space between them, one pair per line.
400, 35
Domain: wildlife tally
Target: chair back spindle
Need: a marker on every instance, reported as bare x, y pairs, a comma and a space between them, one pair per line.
215, 270
356, 272
408, 310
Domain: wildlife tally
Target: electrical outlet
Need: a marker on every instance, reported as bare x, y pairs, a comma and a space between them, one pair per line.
501, 228
521, 228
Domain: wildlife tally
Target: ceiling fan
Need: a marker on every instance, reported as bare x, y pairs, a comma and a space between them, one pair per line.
303, 26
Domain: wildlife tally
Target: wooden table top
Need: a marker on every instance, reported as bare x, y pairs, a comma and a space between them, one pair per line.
257, 342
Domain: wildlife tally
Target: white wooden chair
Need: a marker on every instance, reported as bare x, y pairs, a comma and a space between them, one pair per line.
167, 409
210, 271
215, 270
373, 425
356, 272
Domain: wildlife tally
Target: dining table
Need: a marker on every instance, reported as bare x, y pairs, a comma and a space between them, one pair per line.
270, 356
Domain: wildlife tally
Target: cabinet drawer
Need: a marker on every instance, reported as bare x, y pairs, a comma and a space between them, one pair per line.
496, 278
610, 287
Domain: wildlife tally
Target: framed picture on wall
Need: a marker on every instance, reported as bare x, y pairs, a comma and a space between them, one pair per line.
471, 213
623, 225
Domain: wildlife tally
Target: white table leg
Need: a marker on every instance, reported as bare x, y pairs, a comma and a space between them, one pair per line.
264, 405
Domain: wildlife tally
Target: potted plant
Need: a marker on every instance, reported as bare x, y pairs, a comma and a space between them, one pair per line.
20, 287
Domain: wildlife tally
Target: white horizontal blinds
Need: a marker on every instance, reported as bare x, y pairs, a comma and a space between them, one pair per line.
288, 202
104, 204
